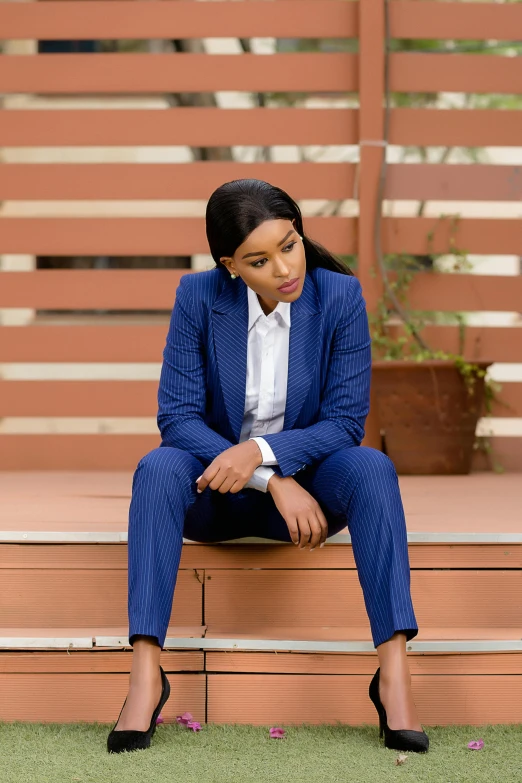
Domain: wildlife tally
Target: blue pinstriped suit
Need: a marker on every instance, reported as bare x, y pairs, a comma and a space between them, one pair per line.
201, 405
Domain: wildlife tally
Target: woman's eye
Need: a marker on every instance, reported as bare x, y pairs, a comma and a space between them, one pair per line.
259, 260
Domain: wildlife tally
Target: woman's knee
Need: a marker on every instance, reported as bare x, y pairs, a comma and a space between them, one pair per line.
168, 464
362, 469
364, 462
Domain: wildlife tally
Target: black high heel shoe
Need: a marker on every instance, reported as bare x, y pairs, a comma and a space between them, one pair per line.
130, 739
398, 739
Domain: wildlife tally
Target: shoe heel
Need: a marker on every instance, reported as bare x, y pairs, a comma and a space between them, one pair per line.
397, 739
127, 740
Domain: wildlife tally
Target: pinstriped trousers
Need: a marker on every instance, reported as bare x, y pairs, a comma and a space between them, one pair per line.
355, 487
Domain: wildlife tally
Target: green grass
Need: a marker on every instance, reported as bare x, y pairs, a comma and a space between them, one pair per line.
76, 753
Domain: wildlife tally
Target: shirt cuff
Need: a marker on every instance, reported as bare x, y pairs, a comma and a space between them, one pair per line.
269, 458
260, 479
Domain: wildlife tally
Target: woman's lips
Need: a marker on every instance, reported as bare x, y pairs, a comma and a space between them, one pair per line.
290, 286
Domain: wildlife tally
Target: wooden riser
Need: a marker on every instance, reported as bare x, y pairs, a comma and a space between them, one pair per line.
90, 687
98, 597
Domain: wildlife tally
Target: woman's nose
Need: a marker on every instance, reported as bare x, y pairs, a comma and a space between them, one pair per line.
281, 268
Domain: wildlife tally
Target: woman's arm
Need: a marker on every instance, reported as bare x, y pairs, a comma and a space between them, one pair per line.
182, 386
182, 393
346, 399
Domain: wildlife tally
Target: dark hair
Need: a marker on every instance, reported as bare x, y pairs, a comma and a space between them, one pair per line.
236, 208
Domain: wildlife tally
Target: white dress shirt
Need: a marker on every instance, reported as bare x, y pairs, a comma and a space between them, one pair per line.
266, 381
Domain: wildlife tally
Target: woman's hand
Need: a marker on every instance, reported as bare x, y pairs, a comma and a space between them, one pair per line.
300, 510
232, 469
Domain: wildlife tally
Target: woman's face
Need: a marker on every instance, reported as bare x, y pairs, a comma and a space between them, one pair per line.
271, 255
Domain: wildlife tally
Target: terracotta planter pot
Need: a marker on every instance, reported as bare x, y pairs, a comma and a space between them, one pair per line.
426, 415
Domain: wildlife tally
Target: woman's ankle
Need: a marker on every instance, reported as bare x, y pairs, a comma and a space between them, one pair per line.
146, 655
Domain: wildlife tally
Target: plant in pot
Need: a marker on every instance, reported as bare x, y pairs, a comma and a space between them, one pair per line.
428, 401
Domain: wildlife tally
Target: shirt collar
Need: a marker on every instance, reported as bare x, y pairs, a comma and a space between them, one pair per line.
255, 310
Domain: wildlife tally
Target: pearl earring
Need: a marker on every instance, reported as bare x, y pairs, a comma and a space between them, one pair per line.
233, 276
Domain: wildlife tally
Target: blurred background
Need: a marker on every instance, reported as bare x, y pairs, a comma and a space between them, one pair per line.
397, 126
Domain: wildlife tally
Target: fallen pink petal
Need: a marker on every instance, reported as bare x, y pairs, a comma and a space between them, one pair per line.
159, 719
185, 718
476, 744
277, 733
194, 725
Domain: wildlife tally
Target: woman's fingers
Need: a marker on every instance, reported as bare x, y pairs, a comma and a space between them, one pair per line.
293, 529
219, 479
304, 530
315, 527
324, 525
237, 486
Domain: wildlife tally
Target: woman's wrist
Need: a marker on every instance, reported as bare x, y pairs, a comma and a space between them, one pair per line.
256, 451
275, 481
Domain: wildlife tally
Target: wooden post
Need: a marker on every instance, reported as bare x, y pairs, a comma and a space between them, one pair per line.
371, 151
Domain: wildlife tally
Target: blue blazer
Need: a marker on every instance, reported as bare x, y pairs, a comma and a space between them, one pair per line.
201, 393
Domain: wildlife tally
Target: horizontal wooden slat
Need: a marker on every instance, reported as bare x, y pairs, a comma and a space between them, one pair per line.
134, 398
57, 598
197, 126
16, 662
507, 454
125, 181
458, 127
46, 698
330, 72
339, 700
463, 21
164, 73
481, 73
221, 127
441, 235
74, 452
466, 292
185, 236
141, 20
79, 398
454, 182
509, 400
238, 598
131, 343
142, 236
145, 343
84, 289
123, 452
146, 289
419, 664
494, 343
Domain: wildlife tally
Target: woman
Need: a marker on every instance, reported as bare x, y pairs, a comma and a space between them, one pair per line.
263, 396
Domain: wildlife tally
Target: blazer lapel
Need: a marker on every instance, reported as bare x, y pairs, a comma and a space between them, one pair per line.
305, 347
230, 321
230, 326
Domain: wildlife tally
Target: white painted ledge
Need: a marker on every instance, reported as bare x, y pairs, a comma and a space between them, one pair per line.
265, 645
119, 537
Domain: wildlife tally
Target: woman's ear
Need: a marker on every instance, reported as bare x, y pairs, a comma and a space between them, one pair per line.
227, 262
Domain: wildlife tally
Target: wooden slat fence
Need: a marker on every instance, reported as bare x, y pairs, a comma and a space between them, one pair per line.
120, 74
